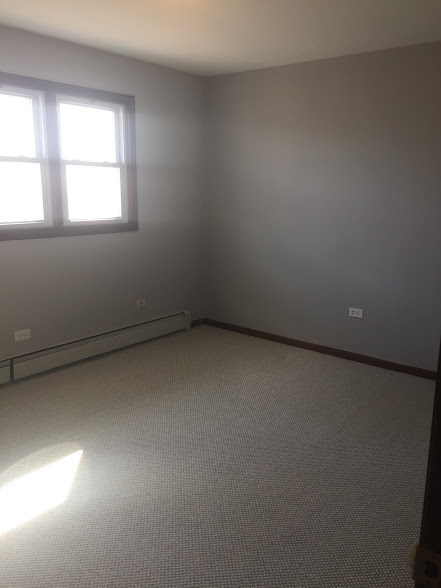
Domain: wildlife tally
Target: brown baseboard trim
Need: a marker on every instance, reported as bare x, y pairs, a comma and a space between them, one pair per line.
382, 363
198, 322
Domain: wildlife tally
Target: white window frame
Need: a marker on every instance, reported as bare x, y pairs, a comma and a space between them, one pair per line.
119, 164
46, 97
37, 98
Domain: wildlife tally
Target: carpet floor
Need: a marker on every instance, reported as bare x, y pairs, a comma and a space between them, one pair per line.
213, 459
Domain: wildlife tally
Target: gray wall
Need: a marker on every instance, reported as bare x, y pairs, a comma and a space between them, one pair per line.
325, 193
282, 196
69, 288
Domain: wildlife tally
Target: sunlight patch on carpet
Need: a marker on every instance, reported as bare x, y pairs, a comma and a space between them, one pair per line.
37, 492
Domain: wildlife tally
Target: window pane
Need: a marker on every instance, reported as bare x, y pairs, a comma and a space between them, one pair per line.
93, 193
21, 196
17, 137
87, 133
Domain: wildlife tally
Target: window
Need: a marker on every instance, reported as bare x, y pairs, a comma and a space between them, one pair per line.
67, 160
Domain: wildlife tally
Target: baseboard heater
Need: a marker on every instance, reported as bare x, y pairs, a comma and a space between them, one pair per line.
5, 371
41, 361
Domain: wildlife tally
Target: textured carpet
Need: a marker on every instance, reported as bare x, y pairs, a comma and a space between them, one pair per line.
212, 459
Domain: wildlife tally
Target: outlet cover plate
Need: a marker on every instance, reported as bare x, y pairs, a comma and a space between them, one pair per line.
22, 335
356, 313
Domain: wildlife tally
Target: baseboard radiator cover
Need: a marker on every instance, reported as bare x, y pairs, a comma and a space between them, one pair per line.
5, 371
41, 361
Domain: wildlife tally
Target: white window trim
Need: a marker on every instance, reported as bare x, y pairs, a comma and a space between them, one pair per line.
120, 163
41, 158
55, 223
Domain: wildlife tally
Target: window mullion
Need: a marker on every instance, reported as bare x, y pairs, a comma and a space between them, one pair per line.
53, 154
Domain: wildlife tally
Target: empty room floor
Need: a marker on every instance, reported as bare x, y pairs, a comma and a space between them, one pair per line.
213, 459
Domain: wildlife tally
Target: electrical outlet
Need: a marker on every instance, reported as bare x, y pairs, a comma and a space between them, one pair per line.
140, 303
356, 313
22, 335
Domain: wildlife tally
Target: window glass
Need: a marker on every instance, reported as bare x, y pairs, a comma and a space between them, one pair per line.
87, 133
93, 192
21, 195
17, 135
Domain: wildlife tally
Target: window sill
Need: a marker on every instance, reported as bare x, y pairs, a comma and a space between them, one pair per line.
70, 231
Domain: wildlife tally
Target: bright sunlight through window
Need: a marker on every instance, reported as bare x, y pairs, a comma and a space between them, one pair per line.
21, 190
35, 493
17, 126
66, 159
92, 161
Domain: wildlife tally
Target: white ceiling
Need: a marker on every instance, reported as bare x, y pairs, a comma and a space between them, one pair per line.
209, 37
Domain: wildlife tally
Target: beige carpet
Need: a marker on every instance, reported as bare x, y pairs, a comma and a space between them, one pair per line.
212, 459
